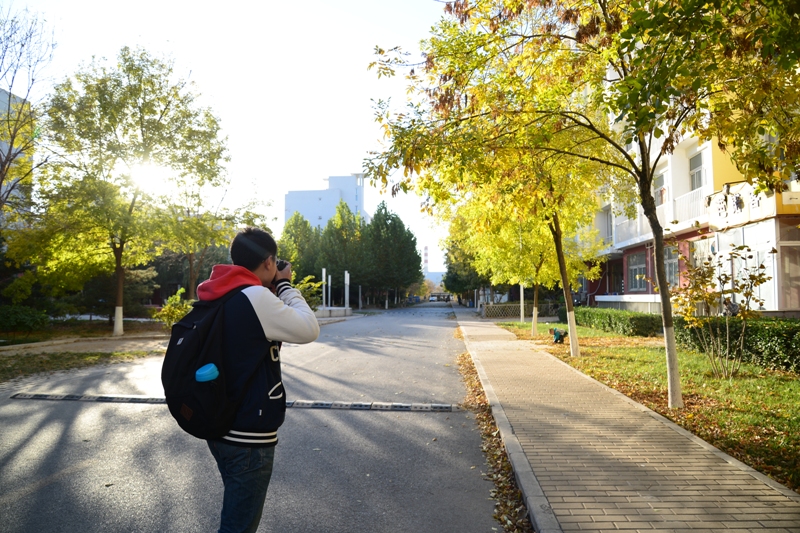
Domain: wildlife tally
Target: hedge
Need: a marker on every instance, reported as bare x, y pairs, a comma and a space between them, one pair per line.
22, 319
768, 342
628, 323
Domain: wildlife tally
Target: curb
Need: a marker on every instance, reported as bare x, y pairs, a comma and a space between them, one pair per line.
782, 489
539, 510
542, 517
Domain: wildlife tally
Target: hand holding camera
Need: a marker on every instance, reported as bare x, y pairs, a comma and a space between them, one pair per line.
284, 270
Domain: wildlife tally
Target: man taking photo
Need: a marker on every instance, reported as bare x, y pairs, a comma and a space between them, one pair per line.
267, 312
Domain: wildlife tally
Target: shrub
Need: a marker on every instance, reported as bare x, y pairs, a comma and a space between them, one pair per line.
21, 319
770, 343
627, 323
173, 310
311, 291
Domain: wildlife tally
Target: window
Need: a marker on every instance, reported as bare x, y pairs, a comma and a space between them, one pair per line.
788, 229
702, 250
659, 191
790, 274
696, 171
637, 270
671, 265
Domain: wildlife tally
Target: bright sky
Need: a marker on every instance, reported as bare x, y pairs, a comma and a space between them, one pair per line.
288, 80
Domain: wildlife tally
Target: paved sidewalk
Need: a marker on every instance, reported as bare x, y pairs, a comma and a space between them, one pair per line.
588, 458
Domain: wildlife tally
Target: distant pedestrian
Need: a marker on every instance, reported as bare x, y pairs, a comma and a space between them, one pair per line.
257, 320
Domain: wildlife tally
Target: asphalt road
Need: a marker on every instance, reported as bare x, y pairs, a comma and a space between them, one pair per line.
85, 467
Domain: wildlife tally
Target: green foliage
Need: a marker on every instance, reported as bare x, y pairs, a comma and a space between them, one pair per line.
767, 342
16, 319
109, 124
300, 245
341, 246
628, 323
311, 291
173, 310
710, 289
98, 296
380, 255
391, 256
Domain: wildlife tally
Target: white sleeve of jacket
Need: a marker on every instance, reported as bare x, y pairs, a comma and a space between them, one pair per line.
285, 317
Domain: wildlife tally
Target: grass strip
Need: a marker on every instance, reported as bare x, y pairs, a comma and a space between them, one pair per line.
79, 328
510, 510
754, 417
18, 366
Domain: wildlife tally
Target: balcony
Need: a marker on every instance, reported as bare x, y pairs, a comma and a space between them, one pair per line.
690, 206
685, 209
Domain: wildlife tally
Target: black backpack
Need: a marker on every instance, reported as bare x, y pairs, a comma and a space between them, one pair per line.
203, 409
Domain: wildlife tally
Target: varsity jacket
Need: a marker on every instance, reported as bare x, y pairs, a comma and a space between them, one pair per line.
256, 323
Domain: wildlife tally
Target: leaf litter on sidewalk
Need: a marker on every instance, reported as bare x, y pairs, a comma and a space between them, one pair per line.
510, 510
754, 417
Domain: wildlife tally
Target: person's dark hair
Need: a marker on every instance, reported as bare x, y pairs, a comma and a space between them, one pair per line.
251, 247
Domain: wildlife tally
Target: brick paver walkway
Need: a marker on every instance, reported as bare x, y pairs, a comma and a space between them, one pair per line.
590, 459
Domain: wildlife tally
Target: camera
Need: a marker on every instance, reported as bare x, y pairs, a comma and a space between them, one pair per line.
281, 264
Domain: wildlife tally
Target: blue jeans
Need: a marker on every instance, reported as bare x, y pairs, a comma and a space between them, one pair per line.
245, 474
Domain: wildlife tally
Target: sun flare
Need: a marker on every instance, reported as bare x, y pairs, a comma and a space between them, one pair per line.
153, 179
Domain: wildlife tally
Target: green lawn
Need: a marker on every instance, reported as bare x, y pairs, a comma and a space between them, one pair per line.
754, 417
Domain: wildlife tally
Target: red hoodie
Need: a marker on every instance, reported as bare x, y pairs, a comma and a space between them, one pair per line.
225, 278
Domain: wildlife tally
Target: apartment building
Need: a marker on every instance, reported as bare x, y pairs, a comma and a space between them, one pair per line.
706, 207
319, 206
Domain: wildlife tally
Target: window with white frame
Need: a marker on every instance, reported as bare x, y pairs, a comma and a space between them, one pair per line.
789, 258
702, 250
637, 270
671, 265
659, 190
696, 171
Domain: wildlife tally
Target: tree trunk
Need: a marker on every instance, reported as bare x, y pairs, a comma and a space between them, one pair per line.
673, 373
555, 230
120, 272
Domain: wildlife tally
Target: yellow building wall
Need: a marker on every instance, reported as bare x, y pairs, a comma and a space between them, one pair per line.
723, 168
789, 202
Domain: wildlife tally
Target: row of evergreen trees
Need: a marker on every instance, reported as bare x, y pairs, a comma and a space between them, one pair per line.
381, 256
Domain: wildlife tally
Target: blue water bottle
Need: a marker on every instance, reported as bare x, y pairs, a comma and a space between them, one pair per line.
208, 372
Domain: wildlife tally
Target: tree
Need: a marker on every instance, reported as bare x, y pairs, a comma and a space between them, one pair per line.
103, 125
26, 49
511, 246
295, 241
548, 75
743, 56
461, 275
392, 260
341, 246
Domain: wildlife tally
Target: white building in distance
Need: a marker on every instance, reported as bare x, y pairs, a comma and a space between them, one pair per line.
320, 206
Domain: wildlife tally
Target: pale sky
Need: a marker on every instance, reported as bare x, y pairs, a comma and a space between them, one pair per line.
288, 80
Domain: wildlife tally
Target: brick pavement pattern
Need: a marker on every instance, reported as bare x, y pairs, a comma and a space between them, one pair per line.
605, 463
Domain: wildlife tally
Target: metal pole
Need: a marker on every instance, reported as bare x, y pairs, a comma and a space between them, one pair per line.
521, 302
346, 289
323, 289
329, 290
359, 297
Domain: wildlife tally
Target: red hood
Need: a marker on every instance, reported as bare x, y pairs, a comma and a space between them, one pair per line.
225, 278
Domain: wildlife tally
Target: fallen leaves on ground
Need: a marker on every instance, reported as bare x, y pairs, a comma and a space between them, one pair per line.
510, 508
